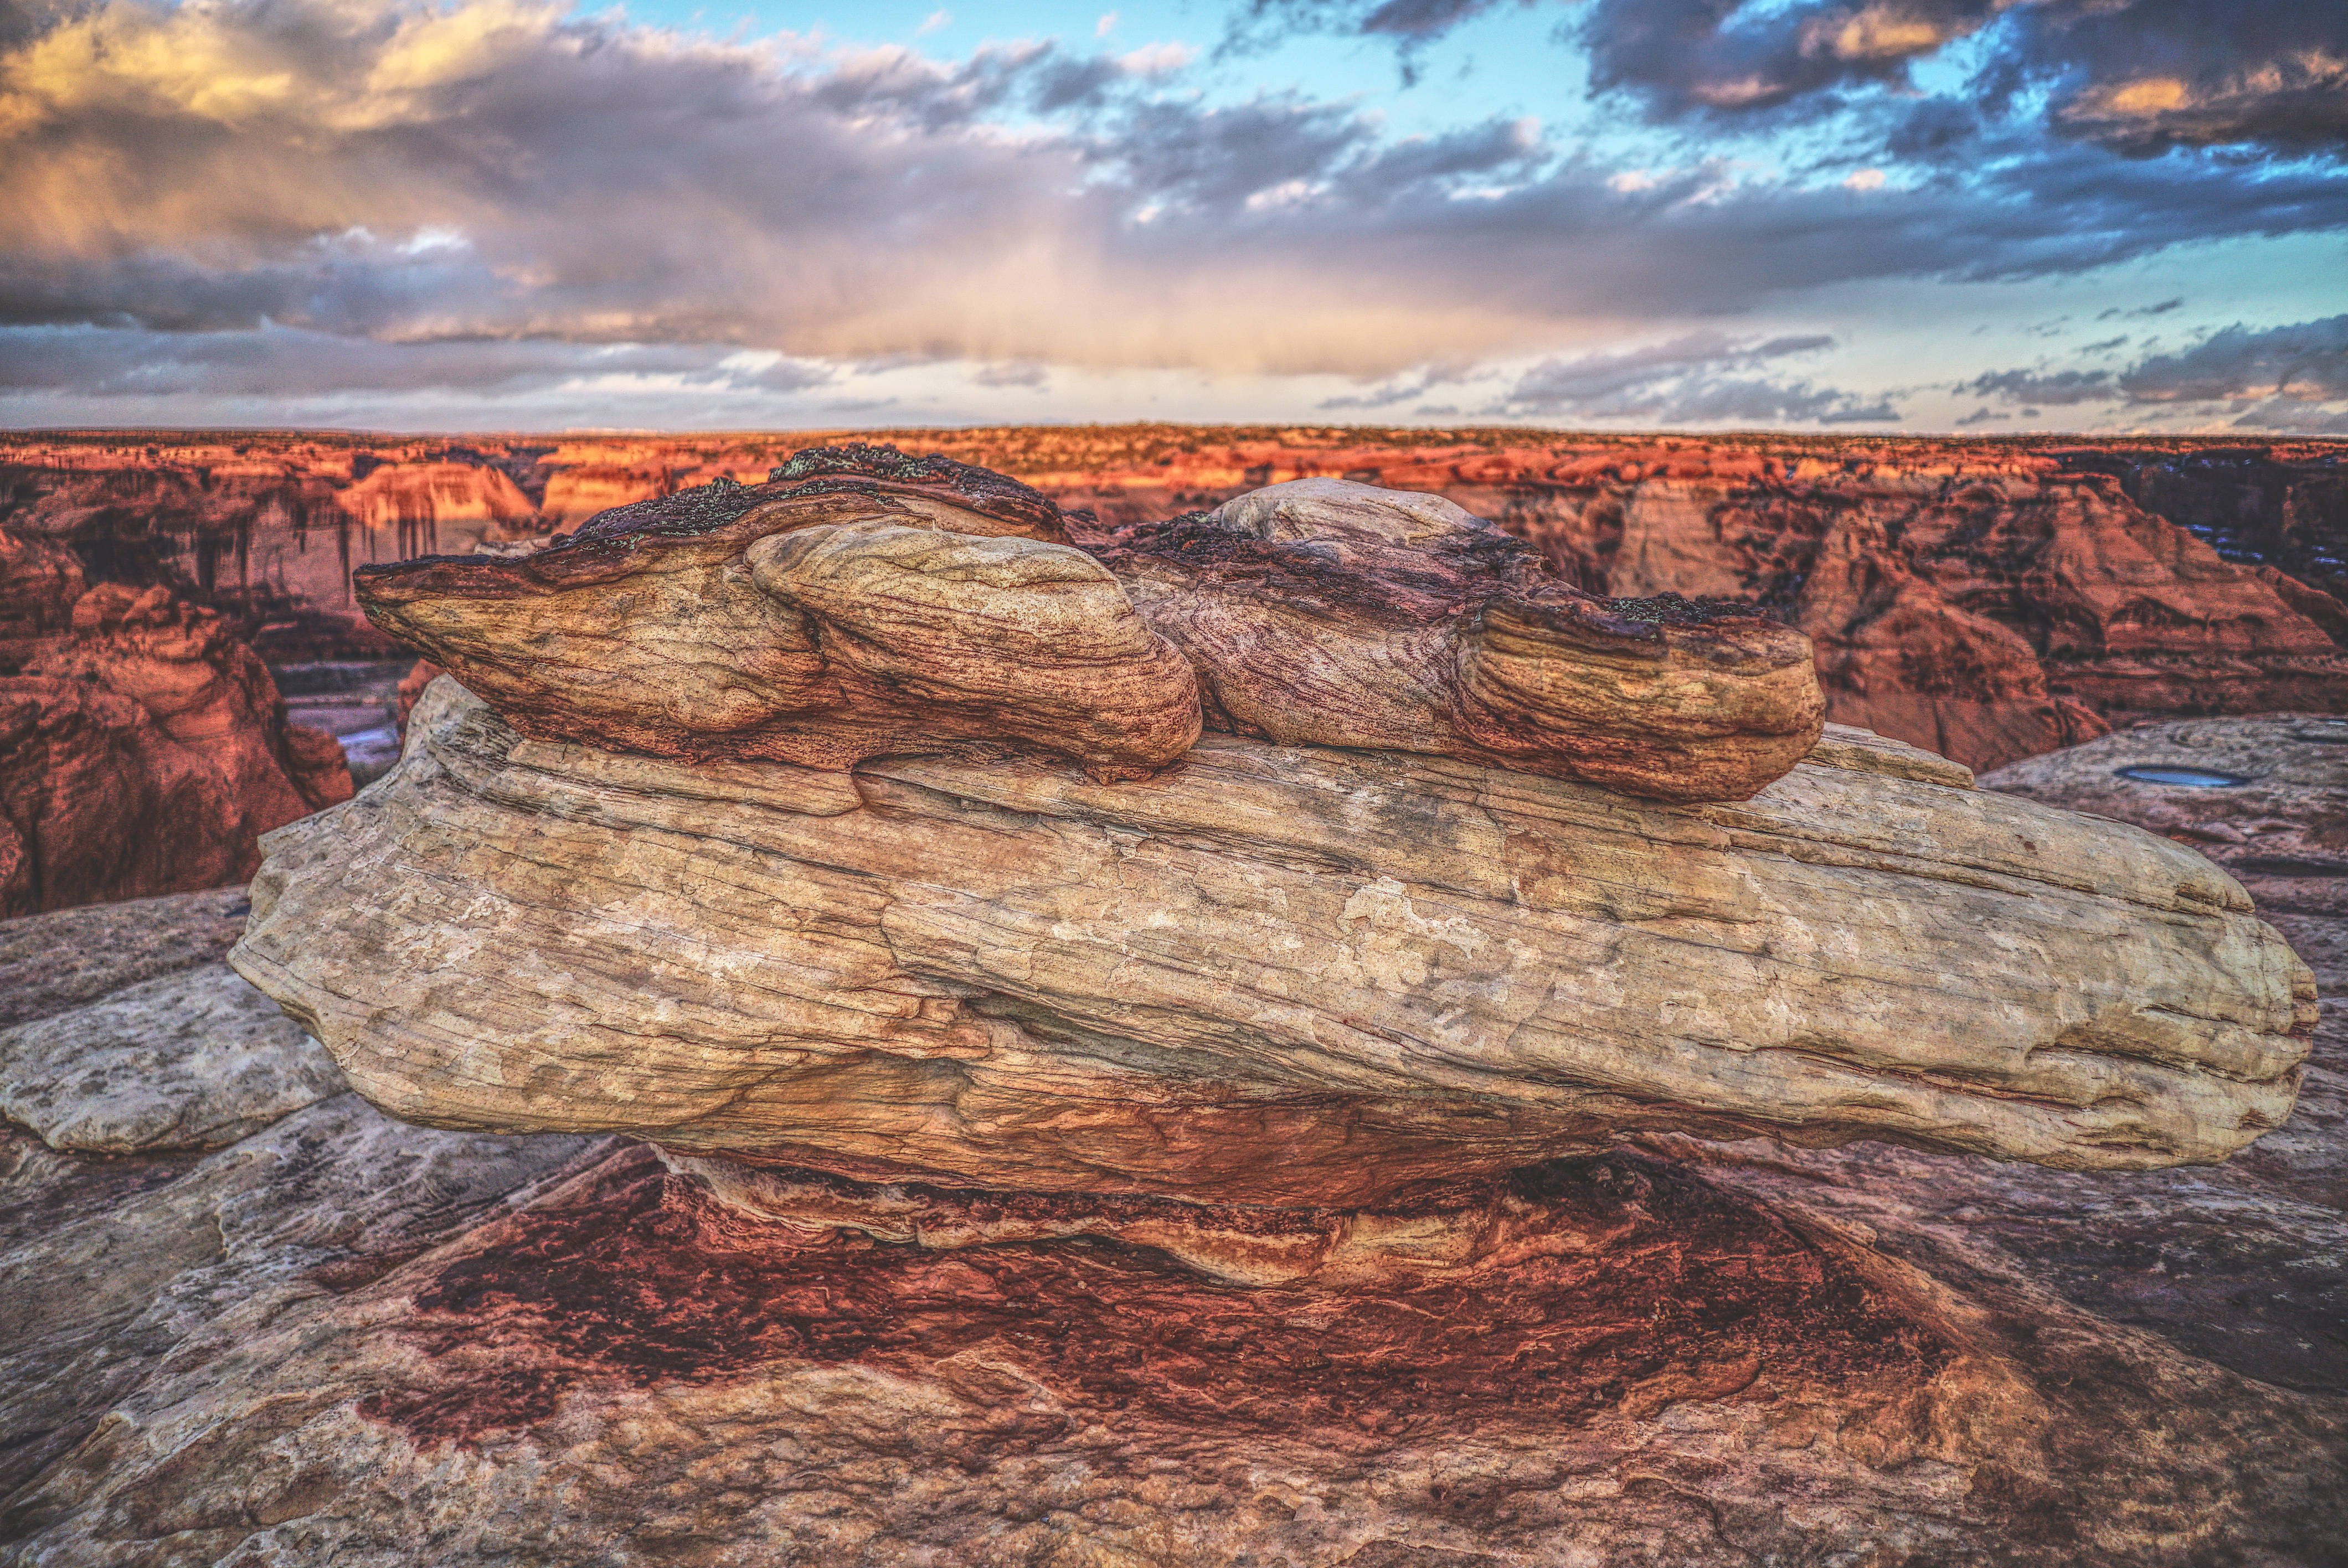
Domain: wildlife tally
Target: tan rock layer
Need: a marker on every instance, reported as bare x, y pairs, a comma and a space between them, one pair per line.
1269, 975
1341, 614
819, 629
709, 624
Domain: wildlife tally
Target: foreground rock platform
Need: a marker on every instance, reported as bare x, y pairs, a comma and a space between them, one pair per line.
347, 1339
1269, 976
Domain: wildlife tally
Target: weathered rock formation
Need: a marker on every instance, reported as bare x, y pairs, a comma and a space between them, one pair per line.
1336, 614
818, 624
863, 604
343, 1338
1270, 974
144, 750
39, 583
1986, 602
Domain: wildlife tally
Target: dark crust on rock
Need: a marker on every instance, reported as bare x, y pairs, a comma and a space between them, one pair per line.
587, 557
885, 469
704, 508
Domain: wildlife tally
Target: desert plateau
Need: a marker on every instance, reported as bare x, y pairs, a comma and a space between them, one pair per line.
1255, 783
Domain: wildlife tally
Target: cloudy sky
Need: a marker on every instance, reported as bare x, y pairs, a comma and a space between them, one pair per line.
1988, 215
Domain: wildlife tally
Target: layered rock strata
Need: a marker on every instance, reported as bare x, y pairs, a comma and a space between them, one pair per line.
1270, 975
1341, 614
817, 624
864, 604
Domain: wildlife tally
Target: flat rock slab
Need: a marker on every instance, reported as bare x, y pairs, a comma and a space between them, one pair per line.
2265, 796
50, 962
1270, 975
192, 1060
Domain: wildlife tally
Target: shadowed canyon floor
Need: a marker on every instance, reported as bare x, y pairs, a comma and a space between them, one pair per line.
342, 1338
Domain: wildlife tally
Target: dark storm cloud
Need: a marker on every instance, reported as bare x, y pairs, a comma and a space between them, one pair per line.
1684, 56
2307, 361
1700, 378
2138, 75
409, 177
2278, 370
2060, 388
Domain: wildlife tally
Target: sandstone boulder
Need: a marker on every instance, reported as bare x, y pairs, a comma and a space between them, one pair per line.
823, 621
1343, 614
821, 626
1283, 975
347, 1339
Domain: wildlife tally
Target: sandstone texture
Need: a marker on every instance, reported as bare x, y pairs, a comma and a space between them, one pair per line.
144, 750
347, 1339
60, 961
1988, 600
861, 604
2266, 797
818, 624
1327, 612
196, 1060
1287, 975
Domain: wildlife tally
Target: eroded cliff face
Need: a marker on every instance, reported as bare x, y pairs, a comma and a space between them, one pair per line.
1988, 600
143, 748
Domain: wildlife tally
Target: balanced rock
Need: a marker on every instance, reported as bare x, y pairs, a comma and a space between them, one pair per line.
824, 620
819, 625
1274, 975
1343, 614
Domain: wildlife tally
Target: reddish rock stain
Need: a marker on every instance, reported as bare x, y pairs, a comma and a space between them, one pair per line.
635, 1278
